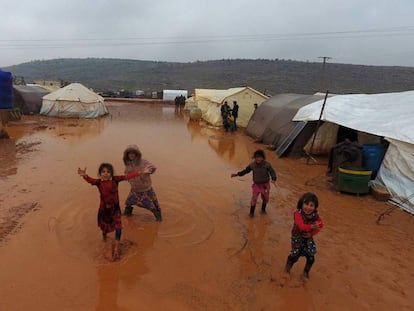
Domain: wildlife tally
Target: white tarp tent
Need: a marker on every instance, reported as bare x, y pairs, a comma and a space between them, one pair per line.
390, 115
73, 101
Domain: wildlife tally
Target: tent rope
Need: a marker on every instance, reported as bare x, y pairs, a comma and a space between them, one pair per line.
388, 211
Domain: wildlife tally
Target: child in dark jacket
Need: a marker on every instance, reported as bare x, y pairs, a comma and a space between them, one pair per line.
262, 173
306, 223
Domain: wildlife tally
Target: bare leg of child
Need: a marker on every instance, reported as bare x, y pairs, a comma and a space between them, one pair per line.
116, 250
116, 253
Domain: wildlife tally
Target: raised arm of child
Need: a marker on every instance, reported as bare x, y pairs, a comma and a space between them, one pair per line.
247, 170
82, 172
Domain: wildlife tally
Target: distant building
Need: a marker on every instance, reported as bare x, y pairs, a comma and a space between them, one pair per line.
172, 94
53, 83
139, 93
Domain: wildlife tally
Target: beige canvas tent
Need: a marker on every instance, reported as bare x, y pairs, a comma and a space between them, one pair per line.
189, 103
210, 101
73, 101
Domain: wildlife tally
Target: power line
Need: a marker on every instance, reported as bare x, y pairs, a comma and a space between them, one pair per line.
400, 29
143, 41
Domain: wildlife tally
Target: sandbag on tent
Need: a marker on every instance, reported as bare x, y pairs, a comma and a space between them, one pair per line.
73, 101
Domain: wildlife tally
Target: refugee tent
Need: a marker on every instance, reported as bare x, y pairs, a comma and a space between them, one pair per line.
272, 123
389, 115
189, 103
210, 101
73, 101
28, 98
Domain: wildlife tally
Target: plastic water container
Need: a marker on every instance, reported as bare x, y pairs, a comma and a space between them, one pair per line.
372, 155
354, 180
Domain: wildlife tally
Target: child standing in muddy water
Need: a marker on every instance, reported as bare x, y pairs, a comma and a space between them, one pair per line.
109, 213
262, 173
142, 194
306, 224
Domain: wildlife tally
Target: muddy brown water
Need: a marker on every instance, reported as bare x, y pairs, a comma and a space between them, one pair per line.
206, 254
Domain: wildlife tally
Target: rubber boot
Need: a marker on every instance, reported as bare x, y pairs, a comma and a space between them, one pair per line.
128, 210
157, 214
264, 207
289, 265
252, 208
308, 266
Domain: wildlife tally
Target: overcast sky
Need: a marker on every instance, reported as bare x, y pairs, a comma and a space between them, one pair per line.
371, 32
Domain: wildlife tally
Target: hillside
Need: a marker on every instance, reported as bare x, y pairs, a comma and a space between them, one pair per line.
269, 76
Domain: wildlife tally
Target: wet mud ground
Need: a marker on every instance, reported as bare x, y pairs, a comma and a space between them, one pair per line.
207, 254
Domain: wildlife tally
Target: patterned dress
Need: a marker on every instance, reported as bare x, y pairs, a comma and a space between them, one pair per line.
109, 213
302, 234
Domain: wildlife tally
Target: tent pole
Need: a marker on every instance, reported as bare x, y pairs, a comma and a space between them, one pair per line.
317, 128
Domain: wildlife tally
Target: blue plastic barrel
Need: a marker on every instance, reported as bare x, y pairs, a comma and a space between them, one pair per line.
372, 155
6, 90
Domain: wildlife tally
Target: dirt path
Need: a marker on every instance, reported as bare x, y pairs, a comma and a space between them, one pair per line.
207, 254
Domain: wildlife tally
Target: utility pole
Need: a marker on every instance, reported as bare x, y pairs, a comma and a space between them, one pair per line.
322, 85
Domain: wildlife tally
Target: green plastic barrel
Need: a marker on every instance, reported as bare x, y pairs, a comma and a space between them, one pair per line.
354, 180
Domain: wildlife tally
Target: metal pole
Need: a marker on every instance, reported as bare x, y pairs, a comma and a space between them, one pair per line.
317, 127
322, 81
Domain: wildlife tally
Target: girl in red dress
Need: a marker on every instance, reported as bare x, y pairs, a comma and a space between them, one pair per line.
109, 213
